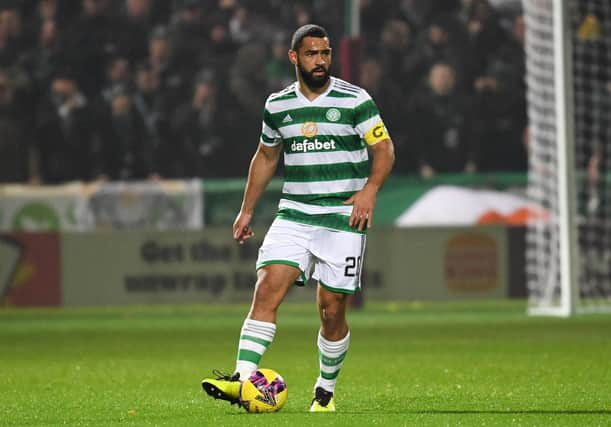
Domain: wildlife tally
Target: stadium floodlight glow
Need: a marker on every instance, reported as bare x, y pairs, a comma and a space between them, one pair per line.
569, 251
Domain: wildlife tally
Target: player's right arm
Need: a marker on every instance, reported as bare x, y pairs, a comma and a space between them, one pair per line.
262, 168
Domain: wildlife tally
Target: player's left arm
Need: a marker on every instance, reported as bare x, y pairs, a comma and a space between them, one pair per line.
363, 202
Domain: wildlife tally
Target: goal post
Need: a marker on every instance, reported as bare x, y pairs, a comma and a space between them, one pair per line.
567, 248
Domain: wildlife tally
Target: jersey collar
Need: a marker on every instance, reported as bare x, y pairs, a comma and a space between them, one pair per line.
303, 98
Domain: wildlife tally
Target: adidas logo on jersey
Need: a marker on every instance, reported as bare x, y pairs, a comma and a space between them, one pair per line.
287, 119
316, 145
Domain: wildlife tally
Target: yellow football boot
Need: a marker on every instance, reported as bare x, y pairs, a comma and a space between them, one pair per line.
323, 401
224, 387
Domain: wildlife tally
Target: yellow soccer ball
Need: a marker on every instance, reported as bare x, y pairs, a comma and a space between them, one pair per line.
264, 391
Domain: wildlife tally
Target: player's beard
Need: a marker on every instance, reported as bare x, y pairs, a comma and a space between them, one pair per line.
312, 81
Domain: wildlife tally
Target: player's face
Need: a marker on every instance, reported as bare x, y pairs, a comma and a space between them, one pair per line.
313, 61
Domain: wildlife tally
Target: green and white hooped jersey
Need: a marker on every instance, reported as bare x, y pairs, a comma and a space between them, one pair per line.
325, 150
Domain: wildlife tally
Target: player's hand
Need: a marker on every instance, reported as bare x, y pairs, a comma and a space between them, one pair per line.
363, 203
241, 227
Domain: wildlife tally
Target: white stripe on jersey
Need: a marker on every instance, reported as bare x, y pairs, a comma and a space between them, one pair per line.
272, 133
366, 126
344, 84
324, 187
327, 101
313, 209
325, 158
291, 88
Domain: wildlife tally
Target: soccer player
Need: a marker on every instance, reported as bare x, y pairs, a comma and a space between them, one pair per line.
325, 127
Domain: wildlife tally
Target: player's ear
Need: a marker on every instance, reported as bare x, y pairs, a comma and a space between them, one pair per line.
293, 57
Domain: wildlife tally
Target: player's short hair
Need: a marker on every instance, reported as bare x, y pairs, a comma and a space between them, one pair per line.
308, 30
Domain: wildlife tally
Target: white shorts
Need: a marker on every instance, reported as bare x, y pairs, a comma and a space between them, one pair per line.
332, 257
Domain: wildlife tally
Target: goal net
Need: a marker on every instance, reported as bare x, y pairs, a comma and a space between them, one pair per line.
568, 61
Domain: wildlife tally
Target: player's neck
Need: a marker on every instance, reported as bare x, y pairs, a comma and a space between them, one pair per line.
311, 93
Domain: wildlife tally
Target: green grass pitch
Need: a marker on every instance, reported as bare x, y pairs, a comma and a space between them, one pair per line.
411, 364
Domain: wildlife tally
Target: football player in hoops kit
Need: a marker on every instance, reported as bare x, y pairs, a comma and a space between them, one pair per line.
325, 127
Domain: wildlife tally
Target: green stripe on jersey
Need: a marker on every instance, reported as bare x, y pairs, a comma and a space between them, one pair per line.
267, 139
335, 94
268, 119
312, 114
290, 95
327, 199
326, 172
365, 111
331, 220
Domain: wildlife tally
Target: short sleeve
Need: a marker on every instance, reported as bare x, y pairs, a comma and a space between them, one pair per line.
368, 122
269, 132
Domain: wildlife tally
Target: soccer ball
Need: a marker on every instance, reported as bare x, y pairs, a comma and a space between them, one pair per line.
264, 391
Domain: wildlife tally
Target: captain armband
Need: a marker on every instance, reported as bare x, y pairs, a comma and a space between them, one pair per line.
376, 134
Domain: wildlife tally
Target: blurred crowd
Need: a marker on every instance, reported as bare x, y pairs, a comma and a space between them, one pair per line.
137, 89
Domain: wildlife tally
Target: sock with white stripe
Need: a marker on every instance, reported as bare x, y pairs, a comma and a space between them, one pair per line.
255, 337
331, 358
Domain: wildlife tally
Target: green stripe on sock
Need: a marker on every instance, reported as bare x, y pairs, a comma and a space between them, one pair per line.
328, 376
332, 361
249, 356
255, 339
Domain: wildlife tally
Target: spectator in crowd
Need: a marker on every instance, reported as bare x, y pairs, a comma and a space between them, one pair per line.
188, 33
278, 71
248, 90
221, 51
242, 26
485, 31
375, 18
326, 13
196, 128
500, 107
139, 12
441, 125
15, 153
43, 60
62, 12
151, 104
138, 23
11, 42
159, 52
393, 102
125, 150
420, 13
225, 10
64, 133
47, 9
172, 76
396, 53
444, 40
168, 42
302, 15
118, 75
247, 79
96, 35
